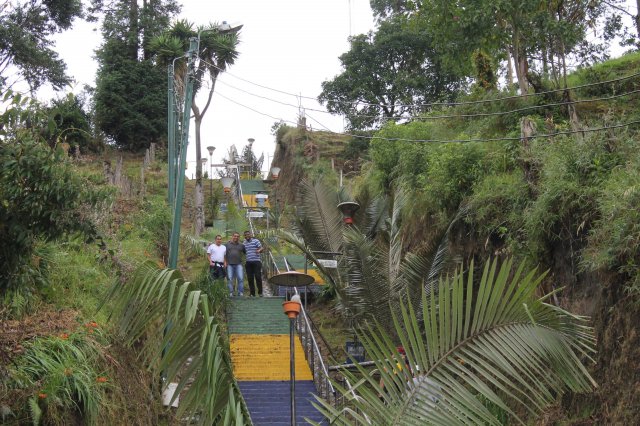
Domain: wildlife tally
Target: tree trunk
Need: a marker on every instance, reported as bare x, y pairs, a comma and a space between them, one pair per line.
637, 19
509, 70
134, 30
521, 64
198, 193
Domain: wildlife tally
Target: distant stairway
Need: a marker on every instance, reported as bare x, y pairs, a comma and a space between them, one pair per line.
259, 334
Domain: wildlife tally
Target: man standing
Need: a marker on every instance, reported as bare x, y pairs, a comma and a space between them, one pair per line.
217, 261
253, 248
233, 257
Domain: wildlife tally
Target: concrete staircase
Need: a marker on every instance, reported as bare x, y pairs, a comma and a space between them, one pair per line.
259, 337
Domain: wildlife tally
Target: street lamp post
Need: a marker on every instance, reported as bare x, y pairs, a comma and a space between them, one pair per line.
211, 148
275, 174
251, 141
292, 310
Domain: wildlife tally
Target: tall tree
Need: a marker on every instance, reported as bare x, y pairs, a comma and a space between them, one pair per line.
26, 28
217, 51
387, 75
130, 94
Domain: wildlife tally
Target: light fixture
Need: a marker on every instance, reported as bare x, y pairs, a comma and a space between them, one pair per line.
275, 172
227, 183
348, 209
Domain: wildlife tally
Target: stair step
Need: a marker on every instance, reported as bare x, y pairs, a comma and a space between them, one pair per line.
257, 315
269, 402
265, 357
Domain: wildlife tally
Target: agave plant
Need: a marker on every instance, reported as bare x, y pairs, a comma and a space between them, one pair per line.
190, 351
479, 347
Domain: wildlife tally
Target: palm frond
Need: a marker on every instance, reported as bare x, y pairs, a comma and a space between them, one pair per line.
194, 245
191, 350
320, 220
488, 341
368, 284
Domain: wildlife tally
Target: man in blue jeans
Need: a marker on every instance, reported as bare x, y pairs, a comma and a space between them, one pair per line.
235, 249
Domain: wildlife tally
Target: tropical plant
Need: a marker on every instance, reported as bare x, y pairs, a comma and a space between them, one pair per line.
373, 263
477, 346
191, 351
64, 371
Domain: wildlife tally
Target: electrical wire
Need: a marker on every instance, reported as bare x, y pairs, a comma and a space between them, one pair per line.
504, 139
433, 104
446, 116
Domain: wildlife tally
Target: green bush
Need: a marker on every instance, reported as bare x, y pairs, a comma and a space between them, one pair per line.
570, 171
614, 239
452, 171
496, 206
61, 373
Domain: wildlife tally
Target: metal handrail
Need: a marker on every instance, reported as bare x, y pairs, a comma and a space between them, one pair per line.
312, 351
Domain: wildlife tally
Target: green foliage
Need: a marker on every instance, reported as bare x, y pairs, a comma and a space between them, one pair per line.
26, 31
64, 373
131, 92
154, 224
41, 197
475, 351
570, 171
386, 74
452, 171
130, 99
191, 350
496, 207
72, 124
613, 241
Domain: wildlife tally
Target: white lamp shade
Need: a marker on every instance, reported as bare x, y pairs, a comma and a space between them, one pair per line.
275, 172
227, 183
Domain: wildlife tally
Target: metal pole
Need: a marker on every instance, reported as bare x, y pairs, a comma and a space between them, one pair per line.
211, 186
292, 368
174, 241
171, 133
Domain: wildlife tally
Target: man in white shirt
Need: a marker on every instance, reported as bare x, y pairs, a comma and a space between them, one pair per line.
217, 259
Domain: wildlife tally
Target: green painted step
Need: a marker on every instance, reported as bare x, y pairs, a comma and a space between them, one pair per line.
257, 315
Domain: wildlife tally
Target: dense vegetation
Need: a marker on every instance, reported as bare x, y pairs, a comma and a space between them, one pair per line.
534, 162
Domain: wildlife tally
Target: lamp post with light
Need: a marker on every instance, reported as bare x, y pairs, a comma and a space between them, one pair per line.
292, 308
251, 141
275, 174
211, 148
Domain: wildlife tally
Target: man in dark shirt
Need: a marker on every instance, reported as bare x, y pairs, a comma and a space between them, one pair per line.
233, 256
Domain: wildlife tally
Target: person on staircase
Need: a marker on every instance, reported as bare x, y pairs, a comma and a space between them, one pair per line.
253, 248
233, 256
217, 261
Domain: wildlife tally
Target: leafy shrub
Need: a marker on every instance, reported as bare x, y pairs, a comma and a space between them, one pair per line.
451, 174
570, 171
63, 372
41, 196
614, 239
497, 204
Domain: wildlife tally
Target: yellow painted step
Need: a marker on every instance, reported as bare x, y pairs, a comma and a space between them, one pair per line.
265, 357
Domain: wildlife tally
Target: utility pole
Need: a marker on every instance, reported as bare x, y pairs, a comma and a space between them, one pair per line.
174, 240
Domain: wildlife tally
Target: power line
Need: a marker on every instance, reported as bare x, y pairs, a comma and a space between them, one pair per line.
546, 135
438, 117
434, 104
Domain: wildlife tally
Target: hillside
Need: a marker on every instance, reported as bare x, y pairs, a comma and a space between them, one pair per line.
565, 202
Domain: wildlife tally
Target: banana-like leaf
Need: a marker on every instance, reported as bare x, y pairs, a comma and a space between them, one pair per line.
480, 344
171, 318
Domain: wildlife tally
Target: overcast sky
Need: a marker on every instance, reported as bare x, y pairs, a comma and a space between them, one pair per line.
288, 45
